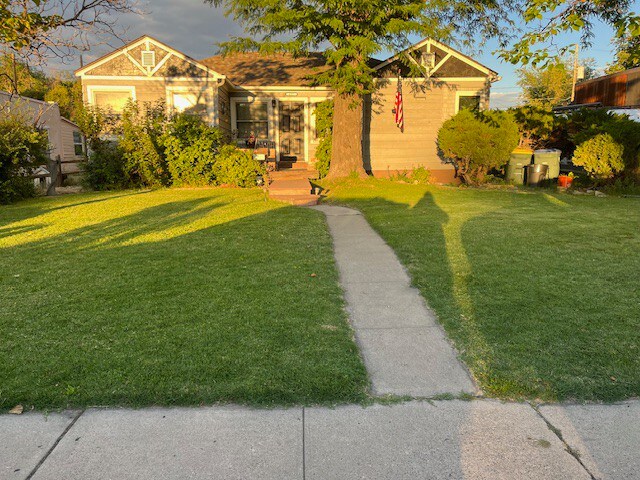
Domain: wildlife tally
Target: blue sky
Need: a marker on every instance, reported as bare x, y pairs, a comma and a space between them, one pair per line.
195, 28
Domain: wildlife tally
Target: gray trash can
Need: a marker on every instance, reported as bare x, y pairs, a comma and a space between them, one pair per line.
515, 168
536, 174
551, 158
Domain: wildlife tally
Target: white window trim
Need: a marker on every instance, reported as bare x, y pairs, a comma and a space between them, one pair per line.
207, 91
469, 93
92, 89
271, 120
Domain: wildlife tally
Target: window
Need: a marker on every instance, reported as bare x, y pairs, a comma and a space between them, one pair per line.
189, 103
469, 102
252, 118
112, 99
78, 143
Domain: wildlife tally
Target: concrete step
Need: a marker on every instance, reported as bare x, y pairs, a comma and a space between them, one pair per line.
298, 200
290, 186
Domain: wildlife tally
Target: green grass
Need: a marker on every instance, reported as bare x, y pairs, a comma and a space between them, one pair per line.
171, 297
539, 291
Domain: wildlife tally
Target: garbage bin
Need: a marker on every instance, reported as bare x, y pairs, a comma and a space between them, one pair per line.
551, 158
536, 173
520, 158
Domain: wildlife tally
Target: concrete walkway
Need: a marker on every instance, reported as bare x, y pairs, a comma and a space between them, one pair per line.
480, 439
403, 346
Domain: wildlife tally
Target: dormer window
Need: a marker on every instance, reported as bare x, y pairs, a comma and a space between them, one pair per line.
148, 58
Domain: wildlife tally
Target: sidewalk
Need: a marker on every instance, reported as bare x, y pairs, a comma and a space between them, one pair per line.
479, 439
407, 354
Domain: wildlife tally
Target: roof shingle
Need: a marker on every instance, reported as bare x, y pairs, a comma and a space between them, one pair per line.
259, 70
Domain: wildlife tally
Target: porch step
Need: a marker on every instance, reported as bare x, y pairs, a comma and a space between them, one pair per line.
290, 186
298, 200
285, 165
296, 191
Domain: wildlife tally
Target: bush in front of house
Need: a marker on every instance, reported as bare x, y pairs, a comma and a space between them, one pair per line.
143, 127
600, 156
235, 167
476, 143
23, 147
324, 129
106, 167
191, 147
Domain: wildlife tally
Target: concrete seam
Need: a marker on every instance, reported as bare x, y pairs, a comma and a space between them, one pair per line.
304, 451
556, 431
55, 444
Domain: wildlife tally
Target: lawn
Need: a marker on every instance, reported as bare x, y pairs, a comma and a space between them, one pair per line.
539, 291
171, 297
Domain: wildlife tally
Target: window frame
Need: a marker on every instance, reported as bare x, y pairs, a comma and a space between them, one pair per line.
77, 144
251, 101
93, 89
470, 93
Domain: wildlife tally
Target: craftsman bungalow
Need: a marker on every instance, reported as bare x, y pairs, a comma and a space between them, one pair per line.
272, 97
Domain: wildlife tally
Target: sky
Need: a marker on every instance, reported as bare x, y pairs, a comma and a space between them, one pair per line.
195, 28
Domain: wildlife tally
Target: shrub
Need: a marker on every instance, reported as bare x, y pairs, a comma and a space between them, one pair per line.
105, 168
477, 143
585, 124
535, 125
143, 130
22, 148
191, 147
236, 167
324, 127
421, 175
600, 156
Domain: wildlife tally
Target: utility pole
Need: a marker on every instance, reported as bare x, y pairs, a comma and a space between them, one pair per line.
575, 73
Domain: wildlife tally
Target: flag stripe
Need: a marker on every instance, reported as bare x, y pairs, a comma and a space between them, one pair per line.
399, 106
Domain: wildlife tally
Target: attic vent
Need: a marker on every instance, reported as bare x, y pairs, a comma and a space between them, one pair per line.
148, 58
428, 60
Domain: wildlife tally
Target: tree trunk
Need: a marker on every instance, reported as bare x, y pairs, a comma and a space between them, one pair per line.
346, 146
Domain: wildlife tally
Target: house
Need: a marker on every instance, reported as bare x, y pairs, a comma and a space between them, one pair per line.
273, 97
620, 89
65, 137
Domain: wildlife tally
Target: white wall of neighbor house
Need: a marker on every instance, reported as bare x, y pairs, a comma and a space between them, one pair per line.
427, 105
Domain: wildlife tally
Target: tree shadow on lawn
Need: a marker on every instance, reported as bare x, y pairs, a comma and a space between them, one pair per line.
34, 207
511, 280
179, 303
559, 299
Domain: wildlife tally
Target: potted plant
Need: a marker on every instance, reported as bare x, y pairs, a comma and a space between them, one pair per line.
565, 181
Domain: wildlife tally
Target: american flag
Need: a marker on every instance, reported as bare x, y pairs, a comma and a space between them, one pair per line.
398, 107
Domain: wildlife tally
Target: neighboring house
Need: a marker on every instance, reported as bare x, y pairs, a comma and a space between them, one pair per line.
273, 97
65, 137
621, 89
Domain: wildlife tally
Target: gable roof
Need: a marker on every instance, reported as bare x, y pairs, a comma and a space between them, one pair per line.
140, 40
447, 49
255, 69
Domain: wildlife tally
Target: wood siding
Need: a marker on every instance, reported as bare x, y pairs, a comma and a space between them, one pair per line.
620, 89
426, 107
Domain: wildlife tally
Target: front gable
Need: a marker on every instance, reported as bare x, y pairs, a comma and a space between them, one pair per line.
146, 58
445, 62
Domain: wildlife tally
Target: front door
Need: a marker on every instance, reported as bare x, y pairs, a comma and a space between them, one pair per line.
292, 131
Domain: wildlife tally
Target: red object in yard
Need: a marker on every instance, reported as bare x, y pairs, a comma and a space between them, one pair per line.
565, 181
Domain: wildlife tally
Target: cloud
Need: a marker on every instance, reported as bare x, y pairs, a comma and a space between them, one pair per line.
189, 26
504, 100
